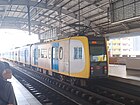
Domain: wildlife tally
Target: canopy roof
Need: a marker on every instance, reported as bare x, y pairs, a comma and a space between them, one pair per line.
67, 16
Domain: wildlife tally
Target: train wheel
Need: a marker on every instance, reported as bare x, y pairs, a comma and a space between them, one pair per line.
41, 70
72, 81
61, 78
83, 82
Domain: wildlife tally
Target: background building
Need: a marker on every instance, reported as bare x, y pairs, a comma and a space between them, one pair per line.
124, 47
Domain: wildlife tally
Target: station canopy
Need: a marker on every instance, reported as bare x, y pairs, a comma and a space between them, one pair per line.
66, 17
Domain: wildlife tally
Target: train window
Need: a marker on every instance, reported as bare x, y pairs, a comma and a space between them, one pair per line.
36, 52
97, 50
55, 52
43, 53
77, 52
97, 53
60, 53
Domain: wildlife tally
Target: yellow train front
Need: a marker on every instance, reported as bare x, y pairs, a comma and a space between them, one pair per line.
88, 57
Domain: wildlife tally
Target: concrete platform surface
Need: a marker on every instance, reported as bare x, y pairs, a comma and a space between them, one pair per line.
120, 73
23, 96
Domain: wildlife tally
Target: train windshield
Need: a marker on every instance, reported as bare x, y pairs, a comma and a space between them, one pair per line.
97, 53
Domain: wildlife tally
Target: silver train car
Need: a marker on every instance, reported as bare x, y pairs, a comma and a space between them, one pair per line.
79, 57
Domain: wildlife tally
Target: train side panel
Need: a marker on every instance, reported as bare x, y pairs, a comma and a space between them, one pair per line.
79, 57
64, 57
44, 58
27, 55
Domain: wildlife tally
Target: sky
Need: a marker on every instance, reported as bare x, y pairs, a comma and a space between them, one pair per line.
11, 38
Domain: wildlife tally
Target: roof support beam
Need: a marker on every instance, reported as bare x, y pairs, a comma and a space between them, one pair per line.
29, 19
16, 20
40, 5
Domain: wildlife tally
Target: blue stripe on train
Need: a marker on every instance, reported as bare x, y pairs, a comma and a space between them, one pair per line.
55, 65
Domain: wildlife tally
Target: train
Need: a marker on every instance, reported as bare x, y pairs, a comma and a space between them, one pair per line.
72, 58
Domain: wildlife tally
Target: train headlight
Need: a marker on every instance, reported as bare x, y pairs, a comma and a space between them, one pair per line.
105, 69
91, 68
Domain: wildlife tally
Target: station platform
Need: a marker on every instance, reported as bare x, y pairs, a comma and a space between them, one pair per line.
23, 96
120, 73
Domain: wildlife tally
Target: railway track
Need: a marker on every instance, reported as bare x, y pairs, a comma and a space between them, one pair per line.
120, 86
117, 94
47, 95
74, 95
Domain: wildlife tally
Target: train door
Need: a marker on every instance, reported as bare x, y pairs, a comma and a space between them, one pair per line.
55, 56
15, 55
36, 56
19, 55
